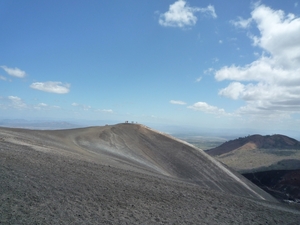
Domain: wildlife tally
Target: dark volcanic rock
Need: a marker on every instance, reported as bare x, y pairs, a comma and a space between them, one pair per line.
282, 184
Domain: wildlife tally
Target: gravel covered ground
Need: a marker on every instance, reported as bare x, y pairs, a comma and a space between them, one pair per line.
40, 186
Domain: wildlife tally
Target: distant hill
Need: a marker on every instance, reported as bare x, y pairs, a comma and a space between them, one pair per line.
257, 141
39, 125
271, 162
259, 153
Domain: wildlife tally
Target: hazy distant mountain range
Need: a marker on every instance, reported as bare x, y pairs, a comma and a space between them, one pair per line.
43, 125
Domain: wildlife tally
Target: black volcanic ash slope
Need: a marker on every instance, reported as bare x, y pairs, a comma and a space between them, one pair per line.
282, 184
136, 147
123, 174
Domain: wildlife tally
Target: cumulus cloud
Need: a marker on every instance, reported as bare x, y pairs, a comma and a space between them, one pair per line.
234, 90
176, 102
270, 84
52, 87
16, 72
204, 107
182, 15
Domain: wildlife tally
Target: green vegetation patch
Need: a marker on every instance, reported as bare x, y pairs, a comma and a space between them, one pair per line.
280, 152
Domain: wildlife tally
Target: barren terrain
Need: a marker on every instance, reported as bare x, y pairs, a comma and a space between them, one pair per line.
123, 174
259, 153
283, 184
271, 162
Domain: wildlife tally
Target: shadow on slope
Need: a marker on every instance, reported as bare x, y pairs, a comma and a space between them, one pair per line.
282, 184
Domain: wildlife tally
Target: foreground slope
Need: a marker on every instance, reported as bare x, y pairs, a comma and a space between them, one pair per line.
122, 174
138, 148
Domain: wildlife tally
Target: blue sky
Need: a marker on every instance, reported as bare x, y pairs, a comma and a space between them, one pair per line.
199, 63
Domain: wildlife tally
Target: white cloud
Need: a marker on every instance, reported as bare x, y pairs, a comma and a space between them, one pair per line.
242, 23
270, 84
16, 72
220, 42
16, 102
52, 87
177, 102
83, 107
104, 110
279, 35
179, 15
75, 104
210, 10
204, 107
198, 79
234, 90
182, 15
209, 71
42, 104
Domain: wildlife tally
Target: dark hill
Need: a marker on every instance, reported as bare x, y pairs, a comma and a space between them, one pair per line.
276, 141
